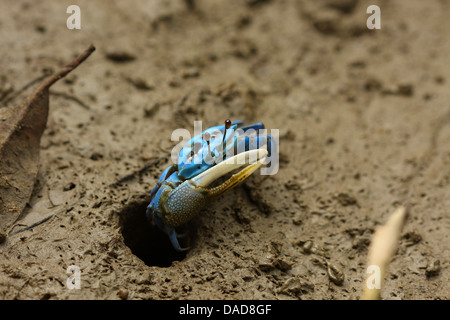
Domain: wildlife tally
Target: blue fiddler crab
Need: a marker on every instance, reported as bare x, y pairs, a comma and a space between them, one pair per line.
185, 188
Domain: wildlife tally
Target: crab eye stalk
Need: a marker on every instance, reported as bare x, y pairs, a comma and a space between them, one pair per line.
227, 126
207, 138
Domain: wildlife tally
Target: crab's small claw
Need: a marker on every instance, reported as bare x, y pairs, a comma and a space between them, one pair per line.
173, 236
170, 231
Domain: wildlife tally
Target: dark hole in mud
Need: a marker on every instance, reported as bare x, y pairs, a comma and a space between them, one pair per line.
146, 241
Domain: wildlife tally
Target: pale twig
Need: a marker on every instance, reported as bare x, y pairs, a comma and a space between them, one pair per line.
382, 248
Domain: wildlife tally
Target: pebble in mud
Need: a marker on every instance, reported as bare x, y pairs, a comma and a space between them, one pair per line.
283, 264
123, 293
295, 287
433, 268
335, 274
266, 264
345, 199
292, 286
412, 238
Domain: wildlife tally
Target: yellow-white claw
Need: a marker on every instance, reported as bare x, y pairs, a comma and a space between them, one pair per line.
253, 159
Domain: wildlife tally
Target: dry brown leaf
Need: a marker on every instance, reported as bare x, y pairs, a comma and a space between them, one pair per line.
21, 128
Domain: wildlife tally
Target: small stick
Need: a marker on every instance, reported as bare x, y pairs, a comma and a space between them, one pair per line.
382, 249
33, 225
64, 71
137, 172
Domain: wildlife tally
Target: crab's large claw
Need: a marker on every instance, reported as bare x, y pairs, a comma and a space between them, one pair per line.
185, 201
253, 159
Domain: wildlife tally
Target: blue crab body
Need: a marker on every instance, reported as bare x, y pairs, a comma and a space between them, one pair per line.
183, 189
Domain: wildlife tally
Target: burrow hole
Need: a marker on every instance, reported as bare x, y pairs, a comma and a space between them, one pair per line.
146, 241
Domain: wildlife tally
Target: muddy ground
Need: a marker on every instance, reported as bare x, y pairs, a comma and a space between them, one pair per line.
364, 120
